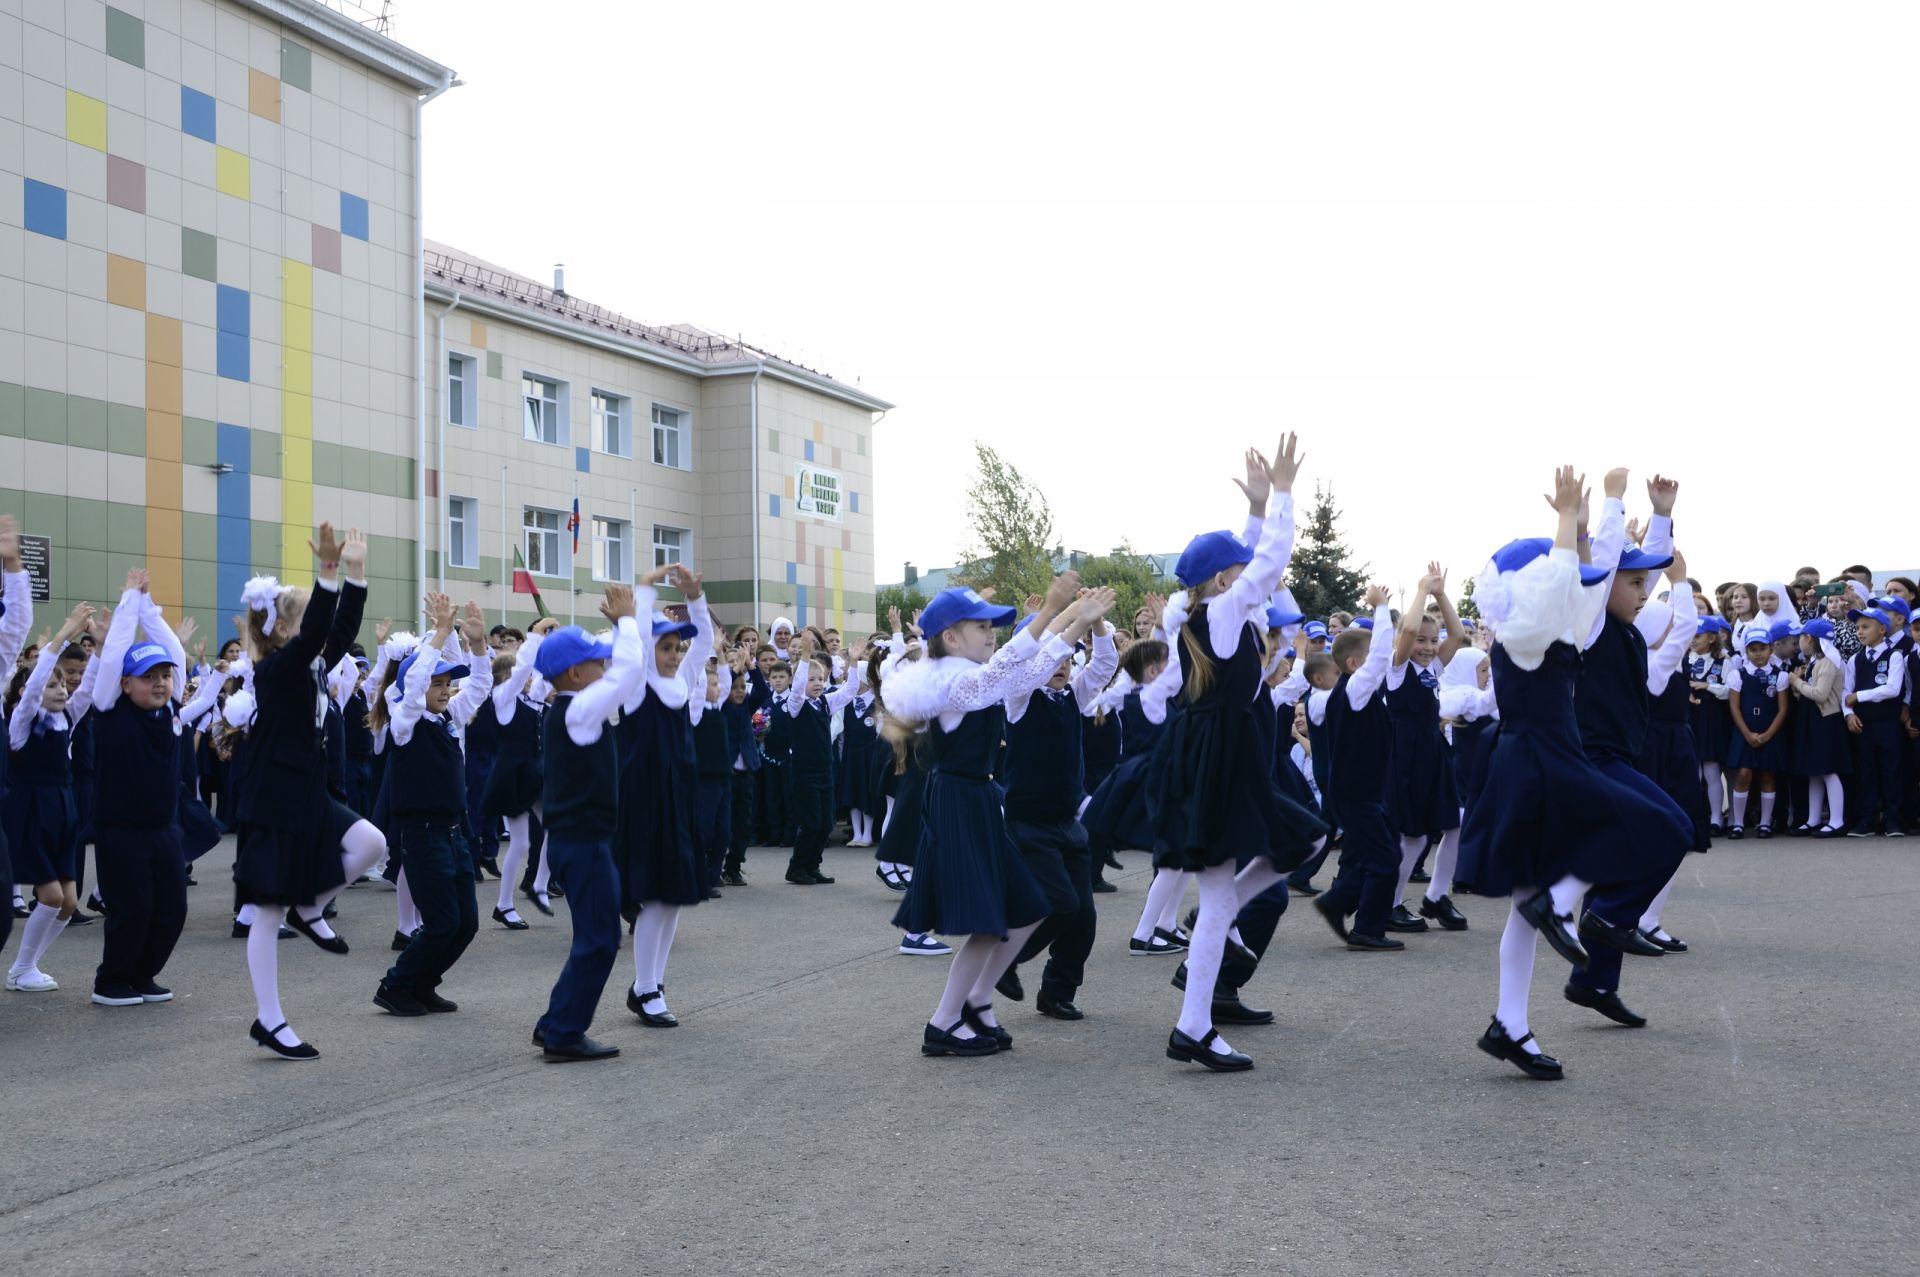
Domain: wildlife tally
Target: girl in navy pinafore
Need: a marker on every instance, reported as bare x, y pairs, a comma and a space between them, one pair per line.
512, 791
1758, 706
1707, 714
1425, 800
858, 789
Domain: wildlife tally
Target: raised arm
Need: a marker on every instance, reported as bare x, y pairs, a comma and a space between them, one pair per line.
205, 698
1664, 662
27, 712
479, 662
507, 696
1366, 680
403, 714
1455, 634
588, 712
1608, 544
18, 621
120, 639
1091, 678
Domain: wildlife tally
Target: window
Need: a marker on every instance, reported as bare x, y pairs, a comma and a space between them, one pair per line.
463, 385
612, 553
612, 431
670, 545
670, 442
542, 399
463, 532
542, 545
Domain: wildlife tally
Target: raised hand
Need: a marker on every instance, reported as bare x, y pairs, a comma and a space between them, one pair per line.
327, 548
656, 575
1434, 583
617, 603
1616, 483
473, 626
380, 631
1258, 485
188, 628
1286, 463
1064, 589
200, 648
353, 555
1636, 533
77, 620
1662, 491
137, 579
1096, 603
97, 625
9, 544
1677, 570
689, 583
893, 620
1568, 492
1376, 595
1034, 603
547, 624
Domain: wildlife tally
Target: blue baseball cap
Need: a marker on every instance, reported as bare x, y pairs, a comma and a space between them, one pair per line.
1363, 623
950, 607
1279, 618
1712, 625
664, 625
1893, 603
1819, 627
1634, 559
143, 657
440, 667
1515, 555
565, 648
1315, 630
1291, 655
1208, 554
1756, 634
1879, 614
1782, 630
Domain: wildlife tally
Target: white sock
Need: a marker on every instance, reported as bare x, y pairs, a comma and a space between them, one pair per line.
1445, 856
42, 925
1816, 803
1251, 881
1567, 895
1836, 801
1411, 845
1716, 791
1517, 945
519, 838
1204, 956
886, 819
406, 917
263, 967
1739, 809
1170, 911
1167, 884
969, 960
246, 915
1766, 810
1650, 920
1004, 952
646, 945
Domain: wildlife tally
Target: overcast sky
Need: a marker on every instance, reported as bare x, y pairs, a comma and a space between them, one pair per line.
1451, 245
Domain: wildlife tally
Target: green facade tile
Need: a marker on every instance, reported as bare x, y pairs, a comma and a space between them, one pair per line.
86, 423
326, 463
43, 515
404, 478
126, 37
126, 429
266, 453
199, 537
861, 442
200, 582
773, 441
356, 470
127, 529
296, 65
266, 546
493, 364
199, 253
10, 500
84, 574
199, 441
46, 416
13, 409
86, 524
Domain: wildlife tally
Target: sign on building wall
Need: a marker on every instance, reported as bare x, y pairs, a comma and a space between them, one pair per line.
36, 556
817, 492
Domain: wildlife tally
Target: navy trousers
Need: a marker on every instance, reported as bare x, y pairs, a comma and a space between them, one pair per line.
482, 841
1302, 875
1369, 866
773, 821
1258, 919
1620, 904
713, 826
810, 800
593, 898
1067, 934
740, 820
440, 875
1878, 753
143, 874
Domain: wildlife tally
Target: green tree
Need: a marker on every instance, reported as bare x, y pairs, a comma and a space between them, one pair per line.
1465, 605
1322, 576
1131, 576
907, 598
1012, 532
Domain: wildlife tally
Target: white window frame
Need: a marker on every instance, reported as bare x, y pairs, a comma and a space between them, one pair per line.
679, 431
559, 403
463, 391
663, 553
562, 540
622, 413
464, 513
620, 533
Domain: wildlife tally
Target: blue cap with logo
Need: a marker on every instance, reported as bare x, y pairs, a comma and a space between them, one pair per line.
1894, 603
952, 606
664, 625
142, 657
1278, 618
1515, 555
1819, 627
441, 666
1634, 559
1208, 554
1315, 630
565, 648
1781, 630
1886, 617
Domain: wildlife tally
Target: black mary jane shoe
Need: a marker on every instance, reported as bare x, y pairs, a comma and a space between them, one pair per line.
539, 902
942, 1042
1402, 919
1496, 1043
335, 943
1607, 1004
585, 1049
1672, 943
490, 865
1444, 912
1231, 1010
1172, 939
1737, 832
1597, 930
1141, 948
974, 1020
1766, 831
1537, 910
1182, 1047
1828, 831
1009, 987
1057, 1008
1334, 918
266, 1037
662, 1019
1180, 977
515, 923
1420, 876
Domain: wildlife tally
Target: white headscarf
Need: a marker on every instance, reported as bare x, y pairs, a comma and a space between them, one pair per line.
780, 623
1463, 670
1782, 609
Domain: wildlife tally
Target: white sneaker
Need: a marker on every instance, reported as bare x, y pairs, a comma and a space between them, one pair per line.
35, 981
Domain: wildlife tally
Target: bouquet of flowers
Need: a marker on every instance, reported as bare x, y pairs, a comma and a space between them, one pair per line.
760, 721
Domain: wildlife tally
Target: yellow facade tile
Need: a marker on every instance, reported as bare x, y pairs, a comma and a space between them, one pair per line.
163, 532
819, 432
297, 376
296, 505
86, 120
296, 329
163, 341
263, 95
295, 556
126, 282
163, 570
163, 436
163, 387
163, 491
232, 173
479, 337
296, 284
296, 416
296, 464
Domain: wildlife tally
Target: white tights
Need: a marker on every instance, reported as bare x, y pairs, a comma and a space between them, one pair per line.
970, 961
1517, 944
1445, 856
519, 841
1219, 902
1411, 845
360, 849
1716, 791
980, 996
862, 825
1825, 794
1650, 920
1163, 903
653, 933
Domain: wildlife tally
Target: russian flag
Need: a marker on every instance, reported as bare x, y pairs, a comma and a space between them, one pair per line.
573, 525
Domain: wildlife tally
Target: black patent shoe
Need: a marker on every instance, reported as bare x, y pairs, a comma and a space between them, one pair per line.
1607, 1004
1402, 919
942, 1042
1737, 832
397, 1002
1496, 1043
1009, 987
1445, 913
1172, 939
1672, 943
335, 943
977, 1022
513, 923
1597, 930
1766, 831
1144, 948
1231, 1010
662, 1019
1057, 1008
1182, 1047
1375, 944
1331, 912
266, 1037
1537, 910
585, 1049
540, 900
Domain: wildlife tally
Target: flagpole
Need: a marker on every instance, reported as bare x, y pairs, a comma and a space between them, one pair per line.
573, 595
506, 573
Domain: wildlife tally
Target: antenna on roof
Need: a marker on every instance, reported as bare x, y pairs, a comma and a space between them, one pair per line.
559, 277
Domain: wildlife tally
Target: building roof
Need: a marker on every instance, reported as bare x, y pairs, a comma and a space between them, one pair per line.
343, 33
931, 581
453, 272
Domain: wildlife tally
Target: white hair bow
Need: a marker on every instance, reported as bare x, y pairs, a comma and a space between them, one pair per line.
262, 594
1174, 617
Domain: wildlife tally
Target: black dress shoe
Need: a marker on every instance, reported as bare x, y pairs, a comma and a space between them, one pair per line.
1376, 944
1537, 910
1056, 1008
489, 865
1420, 876
1335, 919
539, 902
80, 919
1597, 930
942, 1042
1139, 948
265, 1037
1101, 887
1304, 890
820, 879
400, 942
732, 878
1008, 986
585, 1049
515, 923
241, 931
1172, 939
1672, 944
1110, 861
1443, 912
662, 1019
436, 1004
557, 890
1231, 1010
1402, 919
1182, 1047
335, 943
977, 1022
95, 903
330, 912
397, 1001
1496, 1043
1180, 978
800, 878
1607, 1004
713, 893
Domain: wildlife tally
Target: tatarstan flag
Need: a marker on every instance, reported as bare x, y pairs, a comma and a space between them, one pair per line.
523, 584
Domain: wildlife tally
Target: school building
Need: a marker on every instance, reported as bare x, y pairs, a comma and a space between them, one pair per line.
220, 322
